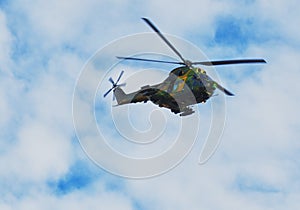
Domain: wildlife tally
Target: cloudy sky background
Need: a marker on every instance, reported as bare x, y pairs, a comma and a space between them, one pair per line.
43, 47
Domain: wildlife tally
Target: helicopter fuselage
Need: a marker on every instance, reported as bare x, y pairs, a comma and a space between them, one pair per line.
183, 87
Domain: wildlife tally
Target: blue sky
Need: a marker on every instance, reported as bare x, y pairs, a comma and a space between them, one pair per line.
43, 48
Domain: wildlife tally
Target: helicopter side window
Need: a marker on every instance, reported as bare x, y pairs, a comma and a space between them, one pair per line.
175, 87
178, 84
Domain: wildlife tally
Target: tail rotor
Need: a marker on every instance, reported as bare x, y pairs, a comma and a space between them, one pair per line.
115, 84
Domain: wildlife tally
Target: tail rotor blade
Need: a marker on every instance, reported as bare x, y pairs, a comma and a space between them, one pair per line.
122, 85
108, 92
122, 72
111, 80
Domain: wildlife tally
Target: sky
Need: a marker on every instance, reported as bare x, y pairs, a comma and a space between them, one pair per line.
46, 45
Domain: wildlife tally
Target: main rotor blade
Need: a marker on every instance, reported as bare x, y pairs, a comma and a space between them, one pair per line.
163, 38
150, 60
227, 92
108, 92
122, 72
228, 62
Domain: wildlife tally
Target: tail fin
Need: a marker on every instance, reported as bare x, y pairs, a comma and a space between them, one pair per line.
120, 95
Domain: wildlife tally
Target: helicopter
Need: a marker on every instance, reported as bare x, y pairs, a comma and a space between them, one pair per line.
185, 86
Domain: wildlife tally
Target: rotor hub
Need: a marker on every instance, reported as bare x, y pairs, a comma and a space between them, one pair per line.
188, 63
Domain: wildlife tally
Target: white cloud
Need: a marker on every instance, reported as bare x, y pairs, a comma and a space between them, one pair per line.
45, 151
259, 144
77, 200
5, 111
284, 16
82, 26
5, 43
194, 16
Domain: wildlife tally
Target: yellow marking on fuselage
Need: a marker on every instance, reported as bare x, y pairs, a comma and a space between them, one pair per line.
183, 78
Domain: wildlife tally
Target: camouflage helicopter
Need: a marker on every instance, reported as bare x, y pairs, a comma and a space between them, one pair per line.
185, 86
